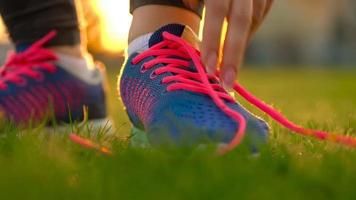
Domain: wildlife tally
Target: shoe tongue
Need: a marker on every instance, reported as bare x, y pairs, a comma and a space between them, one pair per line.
21, 48
179, 30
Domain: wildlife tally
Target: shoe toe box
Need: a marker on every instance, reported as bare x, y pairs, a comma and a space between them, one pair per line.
189, 119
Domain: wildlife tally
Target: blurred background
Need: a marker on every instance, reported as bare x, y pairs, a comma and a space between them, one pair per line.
307, 32
319, 33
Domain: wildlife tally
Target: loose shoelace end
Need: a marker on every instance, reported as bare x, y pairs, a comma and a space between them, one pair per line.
86, 143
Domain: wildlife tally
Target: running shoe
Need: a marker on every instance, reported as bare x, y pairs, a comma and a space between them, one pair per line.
168, 98
38, 84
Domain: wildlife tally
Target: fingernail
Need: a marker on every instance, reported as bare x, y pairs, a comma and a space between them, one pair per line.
228, 79
211, 63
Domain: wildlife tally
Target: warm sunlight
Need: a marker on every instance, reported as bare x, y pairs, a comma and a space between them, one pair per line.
3, 34
114, 23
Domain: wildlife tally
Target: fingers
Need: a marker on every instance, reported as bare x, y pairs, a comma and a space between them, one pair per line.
240, 19
192, 4
214, 18
259, 8
269, 4
244, 17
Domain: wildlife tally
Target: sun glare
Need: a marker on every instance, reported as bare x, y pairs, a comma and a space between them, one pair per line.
115, 22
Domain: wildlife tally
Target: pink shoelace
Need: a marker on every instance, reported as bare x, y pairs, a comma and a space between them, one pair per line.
87, 143
24, 63
201, 82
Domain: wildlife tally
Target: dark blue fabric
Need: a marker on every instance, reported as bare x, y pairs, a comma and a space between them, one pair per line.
176, 29
91, 96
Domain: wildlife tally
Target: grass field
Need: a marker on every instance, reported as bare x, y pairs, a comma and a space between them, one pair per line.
35, 164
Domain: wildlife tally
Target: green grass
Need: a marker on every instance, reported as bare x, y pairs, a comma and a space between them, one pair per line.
35, 164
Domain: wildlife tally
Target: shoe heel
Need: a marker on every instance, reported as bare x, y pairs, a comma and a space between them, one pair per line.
139, 138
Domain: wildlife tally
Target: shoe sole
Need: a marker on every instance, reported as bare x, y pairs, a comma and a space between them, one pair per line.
139, 138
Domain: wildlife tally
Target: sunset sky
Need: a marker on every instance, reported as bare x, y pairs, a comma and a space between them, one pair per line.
115, 22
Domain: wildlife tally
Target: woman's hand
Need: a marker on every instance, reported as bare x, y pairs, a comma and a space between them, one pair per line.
244, 17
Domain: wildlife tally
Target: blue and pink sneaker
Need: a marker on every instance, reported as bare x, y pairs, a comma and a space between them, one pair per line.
36, 84
170, 98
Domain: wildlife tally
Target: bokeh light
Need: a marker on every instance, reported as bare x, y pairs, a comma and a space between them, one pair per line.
114, 23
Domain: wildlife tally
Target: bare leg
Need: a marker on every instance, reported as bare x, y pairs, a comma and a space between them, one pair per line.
148, 18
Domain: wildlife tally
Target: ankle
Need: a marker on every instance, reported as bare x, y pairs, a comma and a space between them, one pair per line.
147, 19
76, 50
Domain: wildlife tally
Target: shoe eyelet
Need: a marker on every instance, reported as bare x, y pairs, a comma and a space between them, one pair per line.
52, 70
133, 64
165, 91
4, 87
143, 70
22, 82
153, 75
39, 77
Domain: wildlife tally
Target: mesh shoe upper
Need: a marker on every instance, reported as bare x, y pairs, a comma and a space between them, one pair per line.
35, 86
179, 115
